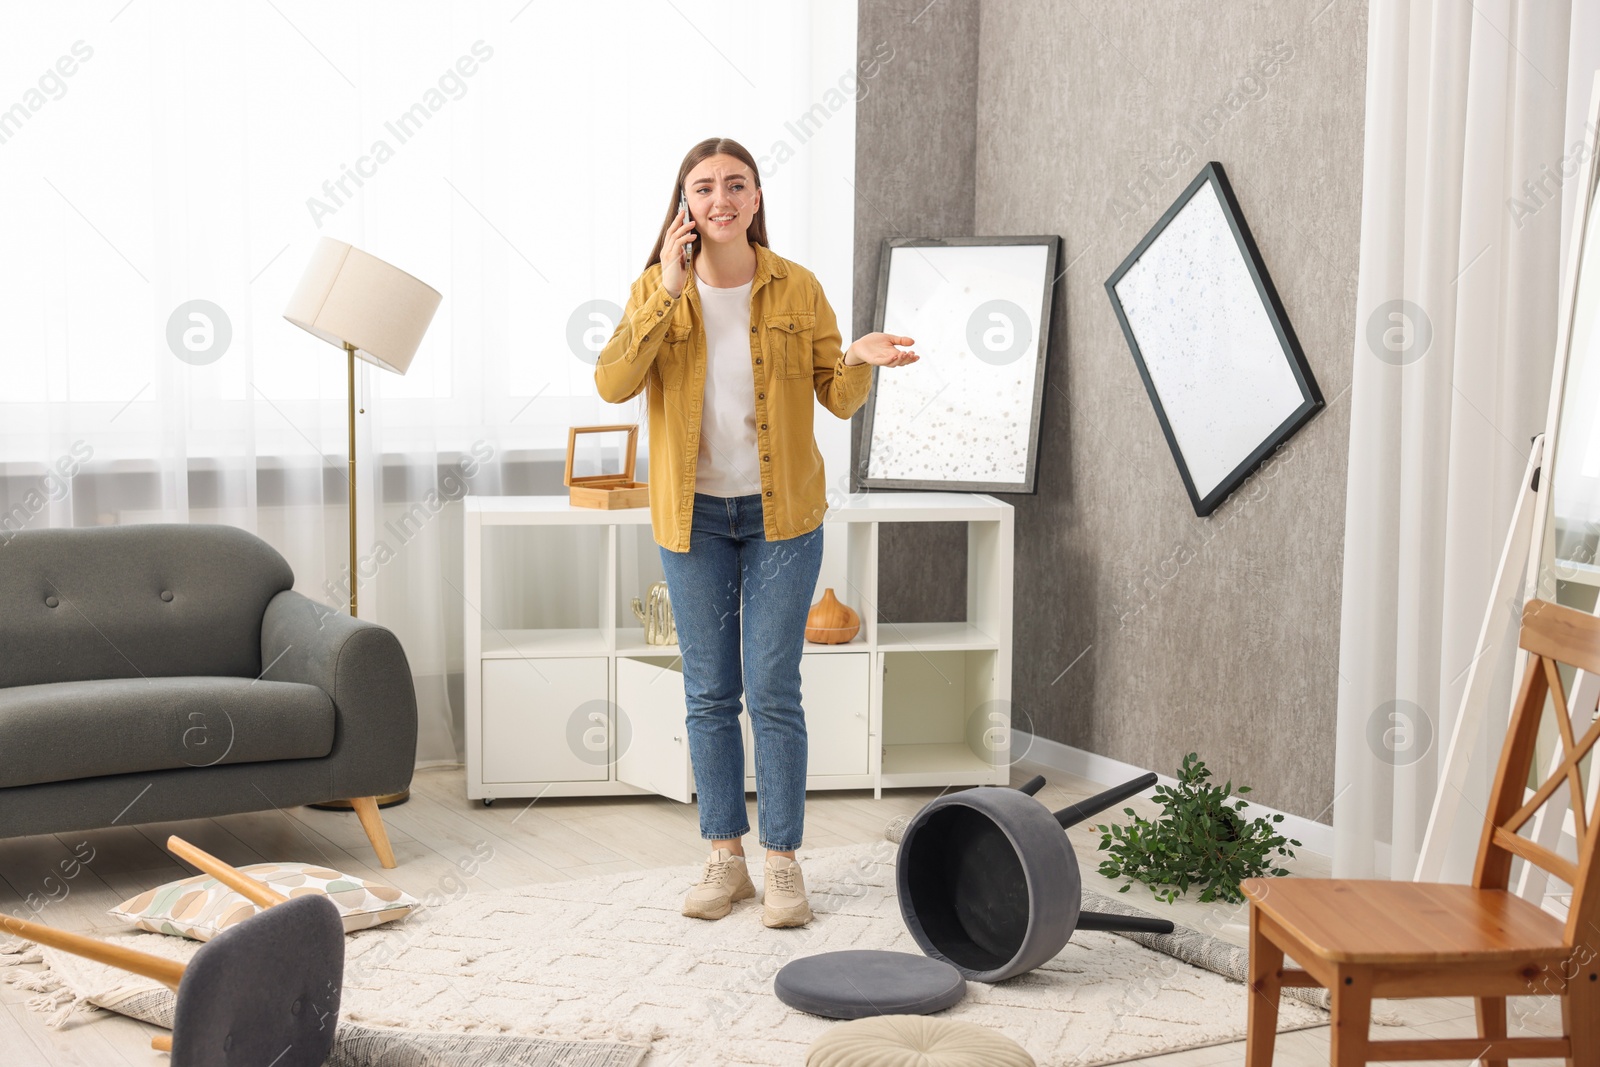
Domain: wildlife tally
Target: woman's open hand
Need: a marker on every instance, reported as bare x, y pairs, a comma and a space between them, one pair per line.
673, 272
879, 349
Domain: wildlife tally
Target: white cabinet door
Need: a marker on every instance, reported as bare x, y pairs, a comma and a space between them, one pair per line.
833, 692
833, 688
545, 720
652, 735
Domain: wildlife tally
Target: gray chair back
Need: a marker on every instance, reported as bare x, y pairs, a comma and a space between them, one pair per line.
157, 600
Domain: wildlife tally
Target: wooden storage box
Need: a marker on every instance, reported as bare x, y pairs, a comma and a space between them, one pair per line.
606, 491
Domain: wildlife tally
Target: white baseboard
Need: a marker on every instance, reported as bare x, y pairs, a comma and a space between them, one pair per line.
1053, 755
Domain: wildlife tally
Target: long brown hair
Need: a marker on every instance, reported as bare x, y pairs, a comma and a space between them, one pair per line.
712, 146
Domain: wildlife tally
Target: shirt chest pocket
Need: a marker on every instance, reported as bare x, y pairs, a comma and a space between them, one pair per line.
672, 360
789, 336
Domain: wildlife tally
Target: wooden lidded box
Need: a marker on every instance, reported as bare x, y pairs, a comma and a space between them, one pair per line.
606, 491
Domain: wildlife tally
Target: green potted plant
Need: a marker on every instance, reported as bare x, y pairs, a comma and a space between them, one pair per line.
1200, 839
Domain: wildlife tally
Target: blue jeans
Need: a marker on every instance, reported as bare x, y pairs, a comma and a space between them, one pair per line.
733, 582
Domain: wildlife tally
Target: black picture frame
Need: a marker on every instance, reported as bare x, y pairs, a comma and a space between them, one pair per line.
1207, 498
863, 475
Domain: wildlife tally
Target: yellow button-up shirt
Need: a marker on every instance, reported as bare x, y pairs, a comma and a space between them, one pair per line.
795, 355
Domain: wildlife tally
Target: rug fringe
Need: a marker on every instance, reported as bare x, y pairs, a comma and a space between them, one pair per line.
13, 953
46, 981
54, 996
64, 1001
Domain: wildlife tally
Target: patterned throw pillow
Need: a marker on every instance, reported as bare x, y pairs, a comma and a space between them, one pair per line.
202, 907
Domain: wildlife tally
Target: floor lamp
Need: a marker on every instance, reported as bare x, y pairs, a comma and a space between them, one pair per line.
377, 313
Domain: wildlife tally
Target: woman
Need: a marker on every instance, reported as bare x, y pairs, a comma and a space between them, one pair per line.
733, 348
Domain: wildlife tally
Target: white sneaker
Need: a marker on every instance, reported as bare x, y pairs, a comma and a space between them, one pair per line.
783, 901
726, 879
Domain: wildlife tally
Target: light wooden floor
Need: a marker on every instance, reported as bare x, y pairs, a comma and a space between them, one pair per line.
544, 841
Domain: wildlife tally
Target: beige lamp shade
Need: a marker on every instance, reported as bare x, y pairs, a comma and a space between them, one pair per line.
349, 297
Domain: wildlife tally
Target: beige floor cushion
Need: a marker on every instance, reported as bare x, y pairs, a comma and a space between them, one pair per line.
914, 1041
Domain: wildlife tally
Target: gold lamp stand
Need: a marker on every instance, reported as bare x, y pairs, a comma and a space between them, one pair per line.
386, 800
378, 313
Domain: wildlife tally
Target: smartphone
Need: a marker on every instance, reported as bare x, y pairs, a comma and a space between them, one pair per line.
688, 249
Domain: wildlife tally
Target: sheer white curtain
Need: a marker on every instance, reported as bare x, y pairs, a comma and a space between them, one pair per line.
518, 157
1472, 115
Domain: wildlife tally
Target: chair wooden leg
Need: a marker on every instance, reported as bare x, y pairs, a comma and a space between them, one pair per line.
1266, 965
1352, 1018
1492, 1023
366, 809
1580, 1012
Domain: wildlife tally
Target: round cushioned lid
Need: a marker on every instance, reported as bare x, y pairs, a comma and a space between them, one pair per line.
860, 982
914, 1041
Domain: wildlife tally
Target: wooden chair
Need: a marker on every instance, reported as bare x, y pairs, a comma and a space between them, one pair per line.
1366, 939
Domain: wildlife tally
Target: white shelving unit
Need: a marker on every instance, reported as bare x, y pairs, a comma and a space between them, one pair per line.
565, 698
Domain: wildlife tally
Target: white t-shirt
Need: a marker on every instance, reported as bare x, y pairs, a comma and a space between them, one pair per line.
729, 462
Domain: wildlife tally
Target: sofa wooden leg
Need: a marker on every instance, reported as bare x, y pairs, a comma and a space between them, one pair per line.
366, 809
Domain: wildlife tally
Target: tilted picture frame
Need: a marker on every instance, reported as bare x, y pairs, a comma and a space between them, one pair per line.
1218, 356
964, 417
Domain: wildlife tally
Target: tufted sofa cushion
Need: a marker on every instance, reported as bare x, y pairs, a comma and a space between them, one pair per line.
71, 730
141, 601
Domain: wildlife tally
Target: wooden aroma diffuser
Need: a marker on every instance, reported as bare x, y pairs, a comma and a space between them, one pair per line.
606, 491
830, 622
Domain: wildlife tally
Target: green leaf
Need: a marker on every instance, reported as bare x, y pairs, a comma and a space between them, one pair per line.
1200, 840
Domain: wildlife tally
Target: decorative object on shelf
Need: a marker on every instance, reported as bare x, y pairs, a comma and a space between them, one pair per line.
1199, 839
988, 881
1218, 356
247, 989
830, 622
376, 313
606, 490
979, 308
659, 627
902, 1039
857, 983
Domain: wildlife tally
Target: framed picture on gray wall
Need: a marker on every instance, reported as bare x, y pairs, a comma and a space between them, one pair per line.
1218, 356
966, 415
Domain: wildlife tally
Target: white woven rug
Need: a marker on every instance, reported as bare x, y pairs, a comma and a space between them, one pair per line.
611, 958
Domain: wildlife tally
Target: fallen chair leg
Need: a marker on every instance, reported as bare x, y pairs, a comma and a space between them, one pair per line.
256, 892
366, 809
167, 972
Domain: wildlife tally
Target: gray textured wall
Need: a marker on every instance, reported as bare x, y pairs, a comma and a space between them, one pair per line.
1143, 632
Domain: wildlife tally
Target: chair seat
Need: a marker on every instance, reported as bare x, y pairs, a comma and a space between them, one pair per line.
1353, 921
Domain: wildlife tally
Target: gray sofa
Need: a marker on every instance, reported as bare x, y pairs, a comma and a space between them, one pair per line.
160, 672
